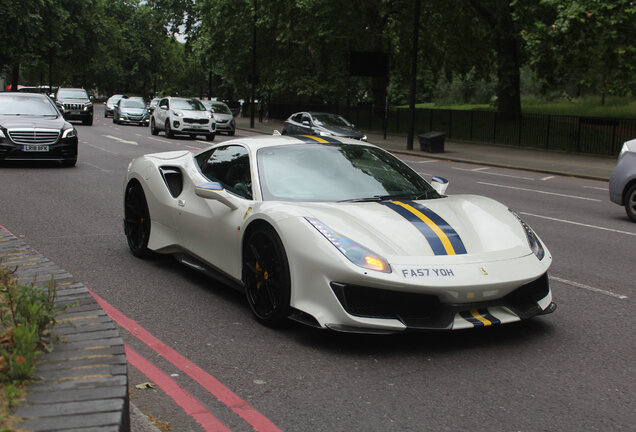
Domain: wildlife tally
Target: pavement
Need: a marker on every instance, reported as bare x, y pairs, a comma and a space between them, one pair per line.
597, 167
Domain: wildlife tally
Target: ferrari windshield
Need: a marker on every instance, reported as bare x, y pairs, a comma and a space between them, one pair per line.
343, 172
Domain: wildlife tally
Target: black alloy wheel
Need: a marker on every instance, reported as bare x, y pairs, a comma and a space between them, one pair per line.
153, 127
630, 202
266, 276
137, 220
169, 132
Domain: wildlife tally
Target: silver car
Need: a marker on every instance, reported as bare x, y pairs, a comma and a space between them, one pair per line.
223, 116
622, 183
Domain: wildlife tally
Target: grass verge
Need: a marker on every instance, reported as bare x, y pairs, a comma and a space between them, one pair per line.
27, 315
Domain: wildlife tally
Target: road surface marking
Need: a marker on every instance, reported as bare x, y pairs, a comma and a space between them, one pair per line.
120, 140
596, 188
547, 178
160, 140
587, 287
95, 166
258, 421
539, 191
100, 148
423, 161
423, 173
580, 224
185, 400
480, 170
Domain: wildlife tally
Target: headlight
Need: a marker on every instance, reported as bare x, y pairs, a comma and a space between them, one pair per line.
533, 240
69, 133
177, 113
357, 254
364, 138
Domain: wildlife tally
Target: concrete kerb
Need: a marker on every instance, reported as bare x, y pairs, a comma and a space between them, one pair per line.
83, 382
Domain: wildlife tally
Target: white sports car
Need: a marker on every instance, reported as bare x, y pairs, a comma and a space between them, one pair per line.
338, 234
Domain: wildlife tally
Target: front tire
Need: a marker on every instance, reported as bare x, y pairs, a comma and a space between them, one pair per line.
210, 137
153, 127
266, 276
630, 202
137, 220
169, 132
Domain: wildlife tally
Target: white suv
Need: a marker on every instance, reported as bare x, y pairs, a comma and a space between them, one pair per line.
186, 116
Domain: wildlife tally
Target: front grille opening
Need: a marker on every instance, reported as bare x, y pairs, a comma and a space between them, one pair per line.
377, 303
34, 136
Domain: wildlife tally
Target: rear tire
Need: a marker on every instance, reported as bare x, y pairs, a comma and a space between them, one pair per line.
630, 202
137, 220
266, 276
153, 127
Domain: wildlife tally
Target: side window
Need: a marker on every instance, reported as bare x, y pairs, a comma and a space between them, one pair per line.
306, 118
297, 118
230, 166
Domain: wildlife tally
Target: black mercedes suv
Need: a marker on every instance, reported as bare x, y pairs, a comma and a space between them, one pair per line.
75, 104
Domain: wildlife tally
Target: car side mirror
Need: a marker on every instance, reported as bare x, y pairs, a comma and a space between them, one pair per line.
92, 98
439, 184
214, 191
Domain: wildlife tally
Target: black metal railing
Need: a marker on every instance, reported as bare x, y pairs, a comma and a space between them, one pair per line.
593, 135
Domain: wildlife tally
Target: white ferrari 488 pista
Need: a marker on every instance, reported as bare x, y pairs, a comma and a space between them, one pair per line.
337, 234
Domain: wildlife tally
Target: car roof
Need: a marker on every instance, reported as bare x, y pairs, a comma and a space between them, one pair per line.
24, 95
262, 141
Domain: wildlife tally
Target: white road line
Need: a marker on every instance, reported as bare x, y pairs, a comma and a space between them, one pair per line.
596, 188
120, 140
160, 140
579, 224
95, 166
99, 148
587, 287
539, 191
423, 173
479, 170
547, 178
422, 161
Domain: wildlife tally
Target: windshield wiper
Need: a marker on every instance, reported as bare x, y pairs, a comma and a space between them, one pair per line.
377, 198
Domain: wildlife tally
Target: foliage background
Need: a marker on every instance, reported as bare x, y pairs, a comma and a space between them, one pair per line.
470, 51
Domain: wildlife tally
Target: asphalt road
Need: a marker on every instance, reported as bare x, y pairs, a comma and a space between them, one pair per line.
572, 370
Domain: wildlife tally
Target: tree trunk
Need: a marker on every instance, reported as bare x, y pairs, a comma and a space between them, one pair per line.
15, 76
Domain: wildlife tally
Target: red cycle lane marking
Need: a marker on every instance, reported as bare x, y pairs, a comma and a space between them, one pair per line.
185, 400
258, 421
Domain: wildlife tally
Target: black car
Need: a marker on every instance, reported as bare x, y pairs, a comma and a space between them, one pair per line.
75, 104
32, 128
131, 110
319, 123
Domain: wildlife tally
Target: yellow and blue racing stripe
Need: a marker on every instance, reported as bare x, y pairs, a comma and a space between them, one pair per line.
442, 238
310, 139
479, 317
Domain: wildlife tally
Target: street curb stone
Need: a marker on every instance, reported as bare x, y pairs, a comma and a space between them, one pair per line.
83, 383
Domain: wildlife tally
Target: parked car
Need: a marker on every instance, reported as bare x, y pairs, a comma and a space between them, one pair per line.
337, 234
32, 127
622, 183
109, 105
321, 124
153, 104
131, 111
187, 116
75, 104
222, 115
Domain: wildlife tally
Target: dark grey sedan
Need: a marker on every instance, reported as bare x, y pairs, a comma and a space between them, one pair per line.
622, 183
321, 124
